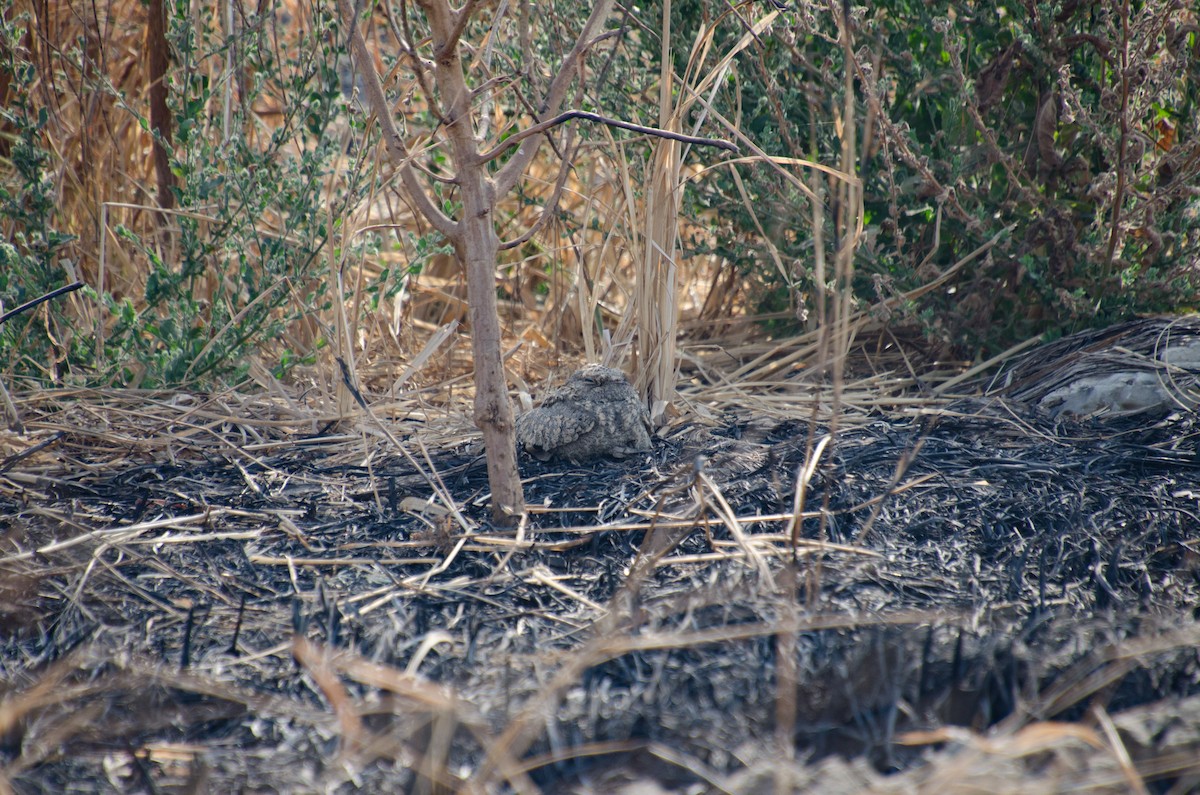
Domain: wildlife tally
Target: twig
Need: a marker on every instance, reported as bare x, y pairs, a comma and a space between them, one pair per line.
392, 138
541, 127
48, 296
1122, 146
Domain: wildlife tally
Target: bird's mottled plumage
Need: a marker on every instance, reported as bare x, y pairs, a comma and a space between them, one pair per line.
596, 413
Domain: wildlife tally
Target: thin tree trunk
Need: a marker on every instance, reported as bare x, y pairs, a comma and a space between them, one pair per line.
477, 246
493, 409
473, 235
160, 115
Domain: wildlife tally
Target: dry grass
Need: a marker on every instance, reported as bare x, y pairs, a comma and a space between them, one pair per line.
96, 553
586, 291
592, 289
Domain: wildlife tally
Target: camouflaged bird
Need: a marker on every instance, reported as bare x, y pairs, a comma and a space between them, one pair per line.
596, 413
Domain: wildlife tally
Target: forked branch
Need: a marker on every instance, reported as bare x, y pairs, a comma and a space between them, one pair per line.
391, 136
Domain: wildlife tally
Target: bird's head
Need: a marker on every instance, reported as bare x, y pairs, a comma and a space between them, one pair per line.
596, 374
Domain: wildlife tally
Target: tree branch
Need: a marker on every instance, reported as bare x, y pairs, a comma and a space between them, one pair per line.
460, 24
55, 293
508, 175
1122, 148
516, 138
550, 206
451, 79
391, 136
420, 68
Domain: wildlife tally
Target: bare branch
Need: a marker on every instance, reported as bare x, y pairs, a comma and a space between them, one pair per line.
550, 206
508, 175
460, 24
519, 95
515, 139
420, 67
492, 82
391, 136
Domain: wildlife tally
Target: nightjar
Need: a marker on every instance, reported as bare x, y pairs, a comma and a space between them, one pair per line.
595, 413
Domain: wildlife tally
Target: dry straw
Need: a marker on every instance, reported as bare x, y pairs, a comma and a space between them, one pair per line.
615, 288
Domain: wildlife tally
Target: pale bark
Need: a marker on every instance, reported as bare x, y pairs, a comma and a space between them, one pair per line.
477, 245
474, 234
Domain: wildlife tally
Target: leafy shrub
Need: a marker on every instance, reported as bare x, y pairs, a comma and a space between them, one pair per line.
30, 243
249, 246
1071, 123
241, 258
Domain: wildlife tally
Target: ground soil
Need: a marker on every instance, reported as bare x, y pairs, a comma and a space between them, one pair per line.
973, 596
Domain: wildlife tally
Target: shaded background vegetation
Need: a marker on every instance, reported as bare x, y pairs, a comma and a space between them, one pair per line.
211, 220
1072, 123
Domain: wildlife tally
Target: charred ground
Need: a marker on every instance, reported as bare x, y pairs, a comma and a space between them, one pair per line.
193, 599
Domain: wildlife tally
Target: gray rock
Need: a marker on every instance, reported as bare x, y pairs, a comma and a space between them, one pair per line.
595, 414
1147, 365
